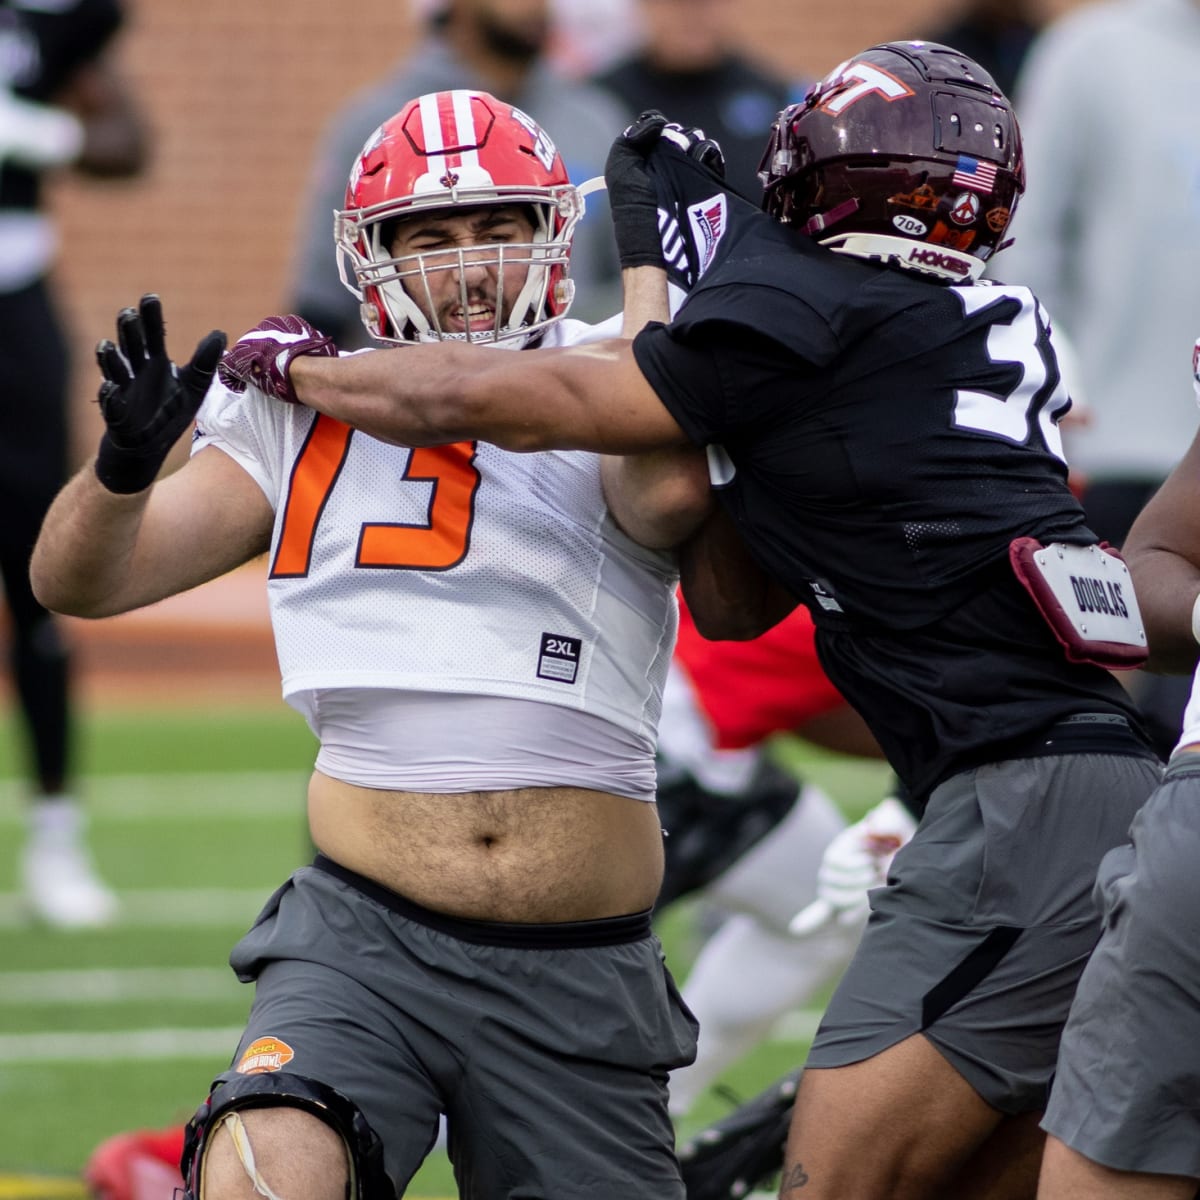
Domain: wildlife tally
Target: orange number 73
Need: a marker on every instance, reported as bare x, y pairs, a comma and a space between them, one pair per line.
439, 543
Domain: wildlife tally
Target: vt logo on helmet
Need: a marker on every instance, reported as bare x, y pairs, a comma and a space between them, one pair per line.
457, 224
907, 153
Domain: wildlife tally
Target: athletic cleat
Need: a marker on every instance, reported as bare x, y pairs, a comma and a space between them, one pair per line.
142, 1165
731, 1158
59, 880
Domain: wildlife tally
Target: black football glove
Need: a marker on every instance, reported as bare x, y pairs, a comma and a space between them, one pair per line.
632, 196
705, 150
145, 401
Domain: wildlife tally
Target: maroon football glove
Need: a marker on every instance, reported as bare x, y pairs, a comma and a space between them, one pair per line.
264, 356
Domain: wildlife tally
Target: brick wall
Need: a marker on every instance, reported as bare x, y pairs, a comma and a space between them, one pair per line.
237, 91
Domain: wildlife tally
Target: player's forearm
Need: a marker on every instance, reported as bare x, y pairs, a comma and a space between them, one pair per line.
729, 595
1167, 586
403, 396
644, 298
588, 397
82, 563
1162, 550
659, 499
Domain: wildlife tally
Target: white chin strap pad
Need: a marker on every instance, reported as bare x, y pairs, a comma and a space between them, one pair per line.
922, 257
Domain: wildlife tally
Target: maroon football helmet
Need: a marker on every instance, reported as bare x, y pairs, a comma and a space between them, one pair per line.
907, 153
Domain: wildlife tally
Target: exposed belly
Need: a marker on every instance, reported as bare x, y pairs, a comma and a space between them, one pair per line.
531, 854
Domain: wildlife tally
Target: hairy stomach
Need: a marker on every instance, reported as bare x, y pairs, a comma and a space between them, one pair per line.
530, 854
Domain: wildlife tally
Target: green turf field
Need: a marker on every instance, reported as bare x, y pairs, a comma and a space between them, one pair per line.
196, 816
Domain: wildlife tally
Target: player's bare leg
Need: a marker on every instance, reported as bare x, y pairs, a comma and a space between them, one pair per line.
1068, 1175
1006, 1165
280, 1153
902, 1125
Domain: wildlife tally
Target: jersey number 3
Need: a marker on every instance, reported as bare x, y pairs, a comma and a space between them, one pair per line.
1040, 396
439, 543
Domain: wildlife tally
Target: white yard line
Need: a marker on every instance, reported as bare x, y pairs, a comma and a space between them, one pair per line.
109, 985
144, 1044
156, 908
196, 796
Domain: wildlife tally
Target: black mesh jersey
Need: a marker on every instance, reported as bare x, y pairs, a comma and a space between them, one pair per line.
880, 439
41, 46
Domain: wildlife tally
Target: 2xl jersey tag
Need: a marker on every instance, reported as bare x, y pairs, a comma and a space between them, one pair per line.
558, 657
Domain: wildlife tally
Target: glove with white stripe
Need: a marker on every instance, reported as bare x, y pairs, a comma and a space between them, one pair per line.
263, 357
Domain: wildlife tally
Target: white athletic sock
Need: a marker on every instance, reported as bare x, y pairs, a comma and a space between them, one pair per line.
58, 818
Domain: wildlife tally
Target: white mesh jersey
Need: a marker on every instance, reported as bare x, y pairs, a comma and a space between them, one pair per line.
459, 569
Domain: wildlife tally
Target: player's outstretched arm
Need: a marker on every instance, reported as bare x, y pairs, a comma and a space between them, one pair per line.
589, 397
113, 539
660, 497
731, 598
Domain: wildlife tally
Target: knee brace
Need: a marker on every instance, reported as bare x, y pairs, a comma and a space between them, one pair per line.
275, 1089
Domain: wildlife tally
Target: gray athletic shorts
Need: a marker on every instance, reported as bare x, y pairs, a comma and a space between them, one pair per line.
981, 933
1127, 1092
546, 1046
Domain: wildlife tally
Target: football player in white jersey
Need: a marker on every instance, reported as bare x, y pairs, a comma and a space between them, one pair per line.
481, 653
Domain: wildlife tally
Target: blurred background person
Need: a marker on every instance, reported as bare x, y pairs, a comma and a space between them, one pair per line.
997, 34
690, 65
63, 104
1108, 238
590, 35
499, 46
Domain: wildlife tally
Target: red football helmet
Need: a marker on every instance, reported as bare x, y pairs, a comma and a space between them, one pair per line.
907, 153
457, 149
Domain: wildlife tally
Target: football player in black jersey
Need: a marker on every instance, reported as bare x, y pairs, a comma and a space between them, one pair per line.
875, 430
63, 105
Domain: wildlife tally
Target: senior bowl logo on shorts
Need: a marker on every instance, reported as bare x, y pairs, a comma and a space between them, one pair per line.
265, 1054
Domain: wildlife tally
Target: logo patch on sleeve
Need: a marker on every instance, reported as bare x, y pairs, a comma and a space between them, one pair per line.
265, 1054
558, 657
708, 222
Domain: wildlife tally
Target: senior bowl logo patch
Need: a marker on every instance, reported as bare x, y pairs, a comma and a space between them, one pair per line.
708, 222
265, 1054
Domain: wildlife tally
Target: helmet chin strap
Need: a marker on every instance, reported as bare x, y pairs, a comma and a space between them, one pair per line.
922, 257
